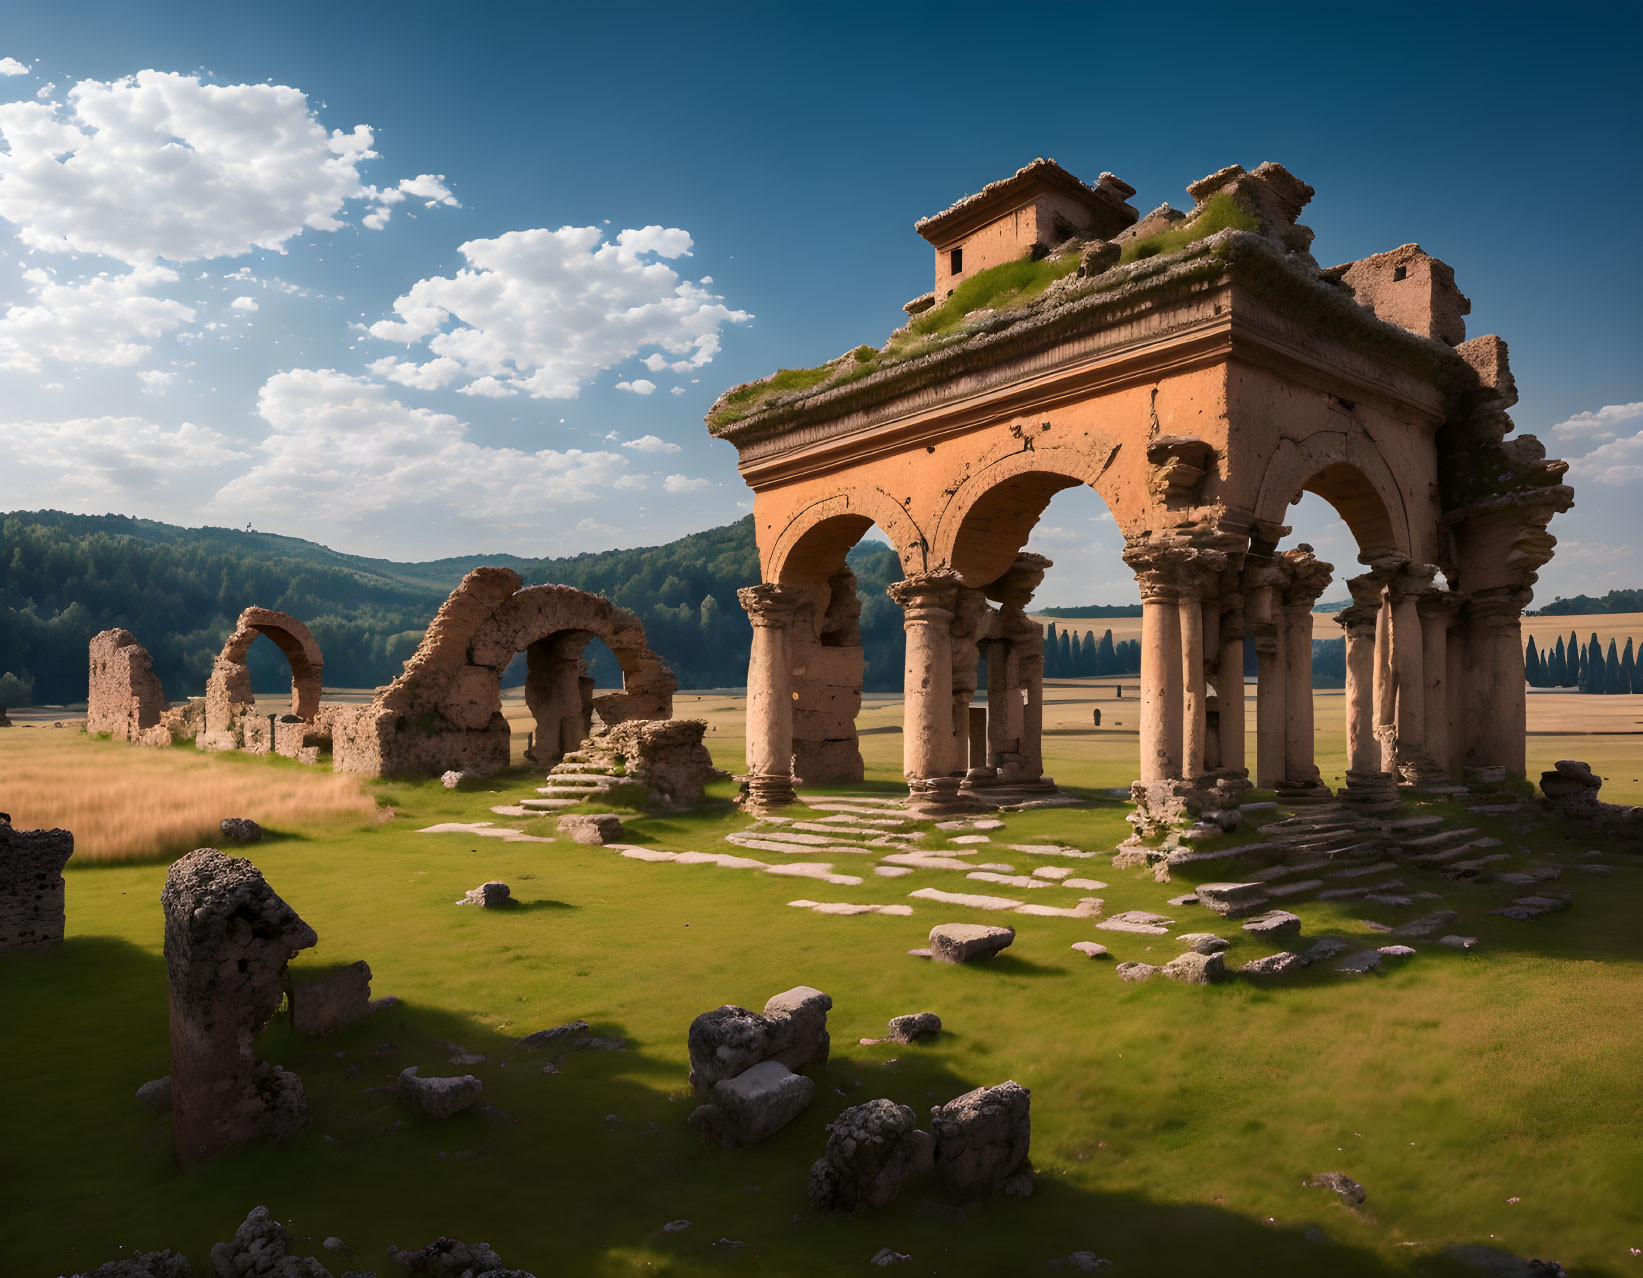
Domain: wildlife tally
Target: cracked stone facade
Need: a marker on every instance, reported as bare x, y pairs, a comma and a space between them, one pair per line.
32, 888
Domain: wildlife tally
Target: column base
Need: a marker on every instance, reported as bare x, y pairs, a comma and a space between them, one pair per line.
765, 793
934, 797
1209, 800
1370, 791
1303, 791
1417, 768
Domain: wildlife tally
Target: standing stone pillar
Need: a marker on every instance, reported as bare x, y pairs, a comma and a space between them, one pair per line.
1367, 784
1003, 705
1437, 614
228, 938
1018, 703
1496, 696
927, 601
1264, 618
1385, 688
1160, 678
772, 609
32, 887
1404, 594
1308, 578
1194, 721
1229, 683
1031, 663
1210, 610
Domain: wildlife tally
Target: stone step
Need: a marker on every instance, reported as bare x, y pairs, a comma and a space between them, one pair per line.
580, 769
548, 805
1431, 842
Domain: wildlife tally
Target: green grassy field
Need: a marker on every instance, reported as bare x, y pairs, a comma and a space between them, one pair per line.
1487, 1097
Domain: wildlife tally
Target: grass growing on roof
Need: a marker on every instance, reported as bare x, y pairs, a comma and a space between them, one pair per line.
1001, 287
1220, 212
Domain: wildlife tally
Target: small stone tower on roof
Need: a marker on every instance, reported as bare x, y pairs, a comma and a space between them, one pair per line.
1042, 204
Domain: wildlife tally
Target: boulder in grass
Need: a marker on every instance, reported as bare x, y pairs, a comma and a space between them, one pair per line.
1133, 971
968, 942
453, 1258
1091, 949
1338, 1183
155, 1095
260, 1249
438, 1097
240, 830
753, 1106
1204, 942
1280, 964
873, 1151
144, 1264
982, 1138
1193, 968
596, 828
450, 780
792, 1029
489, 896
914, 1027
1273, 924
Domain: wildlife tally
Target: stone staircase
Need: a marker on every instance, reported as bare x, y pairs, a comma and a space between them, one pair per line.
581, 776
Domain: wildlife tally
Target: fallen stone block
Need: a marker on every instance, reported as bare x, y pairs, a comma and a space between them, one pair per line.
1204, 942
260, 1249
873, 1152
240, 830
1194, 968
453, 1258
1324, 949
596, 828
914, 1027
1359, 964
1137, 921
1339, 1183
155, 1095
982, 1138
489, 896
1232, 900
729, 1040
1133, 971
1273, 924
435, 1096
1459, 942
323, 1002
1090, 949
144, 1264
752, 1106
968, 942
1279, 964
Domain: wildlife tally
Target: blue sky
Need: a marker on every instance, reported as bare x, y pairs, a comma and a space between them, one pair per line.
210, 335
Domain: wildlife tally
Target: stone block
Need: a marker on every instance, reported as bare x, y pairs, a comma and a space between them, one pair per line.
32, 888
591, 827
968, 942
873, 1152
982, 1138
326, 1001
752, 1106
438, 1096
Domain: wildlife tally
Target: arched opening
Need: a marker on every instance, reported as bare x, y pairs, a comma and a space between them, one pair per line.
845, 639
232, 721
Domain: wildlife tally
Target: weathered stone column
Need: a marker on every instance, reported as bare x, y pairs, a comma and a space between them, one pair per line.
1021, 730
1384, 688
1030, 661
772, 609
1495, 650
971, 620
927, 601
1437, 614
1229, 682
1190, 608
1308, 578
228, 938
1363, 750
553, 694
1160, 677
1404, 594
1003, 704
1263, 616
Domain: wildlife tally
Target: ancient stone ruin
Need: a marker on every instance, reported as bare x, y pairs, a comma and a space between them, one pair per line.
745, 1065
228, 939
646, 763
231, 719
1200, 385
32, 887
445, 711
443, 715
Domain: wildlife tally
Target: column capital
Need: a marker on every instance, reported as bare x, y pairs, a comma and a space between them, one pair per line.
1367, 588
925, 592
1358, 621
1014, 590
1440, 605
1309, 577
1502, 605
1412, 581
771, 604
1167, 572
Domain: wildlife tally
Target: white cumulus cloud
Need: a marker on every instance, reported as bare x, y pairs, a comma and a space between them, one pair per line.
155, 381
639, 386
123, 463
1620, 461
101, 320
544, 311
161, 165
1599, 422
11, 66
343, 457
651, 444
243, 304
430, 188
683, 484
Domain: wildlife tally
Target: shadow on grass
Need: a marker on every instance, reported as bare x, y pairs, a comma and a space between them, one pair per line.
1014, 965
571, 1162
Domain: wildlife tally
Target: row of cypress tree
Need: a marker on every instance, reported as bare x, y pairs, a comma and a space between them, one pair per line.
1584, 666
1066, 656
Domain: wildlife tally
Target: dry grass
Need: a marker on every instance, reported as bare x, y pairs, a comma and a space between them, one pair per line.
125, 803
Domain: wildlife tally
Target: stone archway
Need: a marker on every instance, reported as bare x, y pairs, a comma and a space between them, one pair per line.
444, 712
231, 722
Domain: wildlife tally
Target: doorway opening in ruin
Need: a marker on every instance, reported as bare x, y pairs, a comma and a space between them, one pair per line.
232, 721
846, 640
1022, 675
1318, 606
552, 689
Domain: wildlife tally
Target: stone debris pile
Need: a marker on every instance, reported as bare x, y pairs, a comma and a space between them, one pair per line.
745, 1065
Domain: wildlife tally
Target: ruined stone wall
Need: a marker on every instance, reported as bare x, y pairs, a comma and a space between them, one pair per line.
32, 887
124, 697
444, 712
231, 719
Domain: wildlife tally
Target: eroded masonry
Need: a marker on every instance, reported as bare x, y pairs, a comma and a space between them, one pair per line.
1200, 371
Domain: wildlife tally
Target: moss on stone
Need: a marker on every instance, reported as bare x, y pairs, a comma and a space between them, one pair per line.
1219, 213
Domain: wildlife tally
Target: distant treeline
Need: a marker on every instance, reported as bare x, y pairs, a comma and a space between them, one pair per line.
1614, 601
1067, 656
1584, 666
1091, 610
